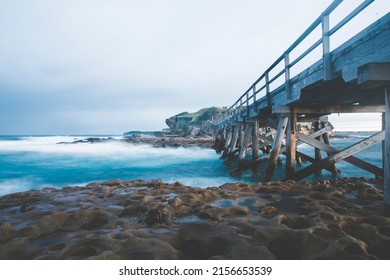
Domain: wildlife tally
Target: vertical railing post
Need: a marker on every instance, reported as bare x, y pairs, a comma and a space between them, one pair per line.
326, 47
247, 103
267, 89
240, 110
254, 99
287, 74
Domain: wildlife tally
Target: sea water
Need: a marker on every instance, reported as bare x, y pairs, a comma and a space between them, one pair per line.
35, 162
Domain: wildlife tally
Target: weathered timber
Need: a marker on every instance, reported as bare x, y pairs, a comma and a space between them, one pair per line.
303, 173
378, 72
227, 143
326, 139
331, 151
236, 132
268, 141
276, 146
245, 143
386, 179
317, 152
291, 145
255, 144
317, 109
312, 160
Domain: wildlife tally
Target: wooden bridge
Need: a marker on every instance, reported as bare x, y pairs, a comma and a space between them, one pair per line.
353, 78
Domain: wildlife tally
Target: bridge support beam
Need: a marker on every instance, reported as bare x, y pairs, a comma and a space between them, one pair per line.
276, 146
331, 151
325, 137
291, 145
303, 173
244, 144
317, 152
235, 132
255, 144
227, 143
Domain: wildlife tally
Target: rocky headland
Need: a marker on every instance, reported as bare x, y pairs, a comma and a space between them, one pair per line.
339, 219
193, 124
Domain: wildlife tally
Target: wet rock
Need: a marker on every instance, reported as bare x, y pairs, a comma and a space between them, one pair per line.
16, 249
244, 251
327, 234
215, 214
204, 240
7, 232
26, 207
364, 232
89, 246
182, 210
300, 222
242, 226
269, 210
31, 231
380, 249
236, 211
160, 216
293, 245
106, 255
136, 220
148, 249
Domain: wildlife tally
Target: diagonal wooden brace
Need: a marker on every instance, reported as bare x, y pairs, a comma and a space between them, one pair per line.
341, 155
351, 159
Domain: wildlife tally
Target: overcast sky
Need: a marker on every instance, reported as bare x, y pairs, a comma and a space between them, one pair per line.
106, 67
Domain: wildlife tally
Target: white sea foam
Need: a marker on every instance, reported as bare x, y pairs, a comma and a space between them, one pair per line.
16, 185
113, 150
41, 161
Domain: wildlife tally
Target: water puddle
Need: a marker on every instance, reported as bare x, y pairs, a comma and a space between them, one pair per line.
156, 230
171, 196
188, 219
251, 202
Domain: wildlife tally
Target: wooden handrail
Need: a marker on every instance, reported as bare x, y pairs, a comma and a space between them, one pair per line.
244, 102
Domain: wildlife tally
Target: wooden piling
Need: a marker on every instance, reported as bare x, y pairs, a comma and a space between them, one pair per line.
219, 141
227, 143
255, 144
325, 137
317, 152
236, 132
244, 144
291, 145
276, 146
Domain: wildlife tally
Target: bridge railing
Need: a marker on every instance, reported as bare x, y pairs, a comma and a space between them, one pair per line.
262, 86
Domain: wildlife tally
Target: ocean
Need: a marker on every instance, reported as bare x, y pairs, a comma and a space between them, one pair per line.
35, 162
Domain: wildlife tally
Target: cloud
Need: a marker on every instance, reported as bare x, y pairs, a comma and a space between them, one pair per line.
95, 66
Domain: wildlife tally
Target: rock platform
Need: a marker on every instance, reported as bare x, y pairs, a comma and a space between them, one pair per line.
340, 219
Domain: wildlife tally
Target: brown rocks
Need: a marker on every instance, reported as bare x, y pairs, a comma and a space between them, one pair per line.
340, 219
16, 249
269, 210
148, 249
7, 232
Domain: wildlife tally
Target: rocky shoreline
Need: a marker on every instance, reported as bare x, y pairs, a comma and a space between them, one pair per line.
172, 141
339, 219
155, 141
